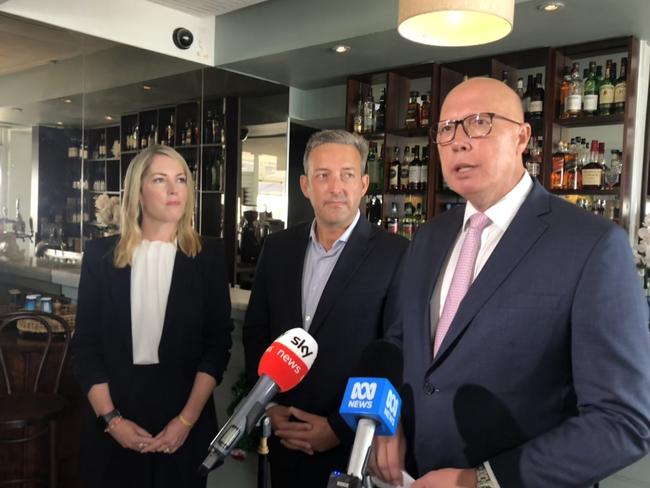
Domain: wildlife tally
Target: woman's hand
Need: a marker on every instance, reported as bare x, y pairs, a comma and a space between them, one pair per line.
130, 435
170, 439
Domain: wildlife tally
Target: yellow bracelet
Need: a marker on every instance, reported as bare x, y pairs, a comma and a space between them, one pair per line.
184, 421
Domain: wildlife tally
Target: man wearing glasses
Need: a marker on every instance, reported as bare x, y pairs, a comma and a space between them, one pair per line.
524, 329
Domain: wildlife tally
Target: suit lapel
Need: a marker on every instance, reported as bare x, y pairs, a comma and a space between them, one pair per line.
350, 259
435, 256
524, 230
178, 298
120, 280
295, 265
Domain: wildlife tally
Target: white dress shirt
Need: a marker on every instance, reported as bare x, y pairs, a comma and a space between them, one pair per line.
501, 214
151, 277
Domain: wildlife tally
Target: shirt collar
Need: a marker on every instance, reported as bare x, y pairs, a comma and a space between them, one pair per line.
502, 212
343, 238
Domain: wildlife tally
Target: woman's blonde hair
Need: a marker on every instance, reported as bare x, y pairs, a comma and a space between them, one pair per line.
131, 211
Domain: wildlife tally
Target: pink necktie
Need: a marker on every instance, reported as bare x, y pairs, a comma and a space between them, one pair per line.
463, 275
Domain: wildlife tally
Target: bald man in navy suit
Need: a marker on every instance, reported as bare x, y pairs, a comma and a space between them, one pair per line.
542, 377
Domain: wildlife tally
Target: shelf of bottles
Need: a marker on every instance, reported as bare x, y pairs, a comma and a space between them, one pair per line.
588, 160
398, 135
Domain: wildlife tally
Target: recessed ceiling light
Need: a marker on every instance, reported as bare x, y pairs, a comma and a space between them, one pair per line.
59, 123
552, 6
108, 117
341, 49
147, 87
67, 100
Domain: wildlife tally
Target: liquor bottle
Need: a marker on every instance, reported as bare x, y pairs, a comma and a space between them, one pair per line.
590, 96
520, 92
373, 210
415, 169
189, 133
358, 115
412, 111
417, 217
573, 101
393, 175
565, 89
534, 163
425, 111
528, 95
102, 145
153, 135
592, 173
504, 76
369, 113
606, 95
405, 169
572, 167
373, 169
599, 77
144, 139
620, 89
208, 138
557, 167
169, 132
536, 106
424, 169
407, 221
392, 221
616, 167
380, 113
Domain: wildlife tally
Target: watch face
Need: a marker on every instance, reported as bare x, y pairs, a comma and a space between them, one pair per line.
103, 421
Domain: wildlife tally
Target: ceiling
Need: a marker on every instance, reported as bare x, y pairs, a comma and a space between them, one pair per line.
55, 77
206, 8
284, 41
26, 44
307, 64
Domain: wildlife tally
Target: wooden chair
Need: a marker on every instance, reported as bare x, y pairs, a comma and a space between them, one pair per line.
30, 403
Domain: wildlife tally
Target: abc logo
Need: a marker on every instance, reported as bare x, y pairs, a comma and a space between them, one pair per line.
364, 391
392, 402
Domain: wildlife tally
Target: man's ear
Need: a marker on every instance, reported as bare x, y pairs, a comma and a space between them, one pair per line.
304, 186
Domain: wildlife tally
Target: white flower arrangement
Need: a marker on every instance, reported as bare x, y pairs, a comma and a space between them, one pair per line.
107, 210
642, 248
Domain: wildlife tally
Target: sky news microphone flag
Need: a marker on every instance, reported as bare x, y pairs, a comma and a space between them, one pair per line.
283, 365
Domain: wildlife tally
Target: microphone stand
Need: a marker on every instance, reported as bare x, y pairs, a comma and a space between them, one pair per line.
263, 453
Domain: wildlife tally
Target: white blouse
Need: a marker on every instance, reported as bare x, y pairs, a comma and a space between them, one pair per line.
151, 277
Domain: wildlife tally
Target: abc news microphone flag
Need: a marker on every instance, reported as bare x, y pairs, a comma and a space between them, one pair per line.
371, 405
283, 365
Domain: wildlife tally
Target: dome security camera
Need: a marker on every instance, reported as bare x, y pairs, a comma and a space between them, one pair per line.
183, 38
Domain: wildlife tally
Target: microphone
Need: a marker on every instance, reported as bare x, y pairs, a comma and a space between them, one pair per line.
283, 365
371, 405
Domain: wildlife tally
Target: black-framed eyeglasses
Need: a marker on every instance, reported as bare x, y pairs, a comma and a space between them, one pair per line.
475, 126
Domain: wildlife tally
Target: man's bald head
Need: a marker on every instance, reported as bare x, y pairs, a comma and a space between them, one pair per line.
484, 169
490, 94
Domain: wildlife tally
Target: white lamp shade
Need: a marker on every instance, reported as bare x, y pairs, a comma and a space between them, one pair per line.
455, 22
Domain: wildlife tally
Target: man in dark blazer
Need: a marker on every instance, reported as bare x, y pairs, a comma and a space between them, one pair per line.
331, 277
542, 378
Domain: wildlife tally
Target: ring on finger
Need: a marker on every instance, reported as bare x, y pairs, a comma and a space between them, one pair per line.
167, 450
141, 445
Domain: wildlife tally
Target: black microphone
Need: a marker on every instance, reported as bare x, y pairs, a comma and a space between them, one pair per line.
371, 405
283, 365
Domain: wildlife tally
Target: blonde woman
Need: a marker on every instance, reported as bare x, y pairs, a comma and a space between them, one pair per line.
153, 334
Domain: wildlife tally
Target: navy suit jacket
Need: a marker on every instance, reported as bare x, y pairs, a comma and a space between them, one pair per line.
348, 317
545, 369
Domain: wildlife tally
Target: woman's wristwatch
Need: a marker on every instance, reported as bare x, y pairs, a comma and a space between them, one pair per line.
483, 479
104, 421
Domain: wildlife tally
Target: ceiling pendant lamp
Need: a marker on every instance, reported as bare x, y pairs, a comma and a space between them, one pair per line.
455, 22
